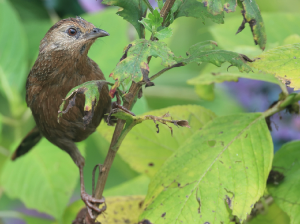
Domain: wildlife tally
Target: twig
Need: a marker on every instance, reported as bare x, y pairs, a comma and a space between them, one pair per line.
129, 101
133, 91
166, 8
148, 5
164, 70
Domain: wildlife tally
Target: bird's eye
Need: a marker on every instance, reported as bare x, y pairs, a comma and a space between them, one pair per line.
72, 32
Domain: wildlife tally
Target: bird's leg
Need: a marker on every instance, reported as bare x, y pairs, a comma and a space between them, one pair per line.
88, 199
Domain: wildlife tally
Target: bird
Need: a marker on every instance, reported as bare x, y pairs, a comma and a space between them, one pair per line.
62, 64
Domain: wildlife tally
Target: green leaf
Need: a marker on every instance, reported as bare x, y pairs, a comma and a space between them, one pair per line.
155, 19
194, 8
36, 21
213, 6
164, 33
220, 171
286, 194
132, 11
136, 186
283, 62
272, 215
91, 91
43, 179
122, 210
230, 6
135, 67
204, 52
146, 23
209, 78
251, 14
153, 24
1, 126
160, 4
13, 56
145, 150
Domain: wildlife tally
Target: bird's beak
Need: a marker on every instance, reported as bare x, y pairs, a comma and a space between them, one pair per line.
95, 33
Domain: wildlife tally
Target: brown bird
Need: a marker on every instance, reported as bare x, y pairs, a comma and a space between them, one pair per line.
62, 64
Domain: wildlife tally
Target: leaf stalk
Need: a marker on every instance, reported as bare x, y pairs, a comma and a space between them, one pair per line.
149, 5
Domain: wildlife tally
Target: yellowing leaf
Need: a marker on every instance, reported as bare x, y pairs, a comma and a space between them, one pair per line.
122, 210
219, 171
283, 62
145, 150
135, 67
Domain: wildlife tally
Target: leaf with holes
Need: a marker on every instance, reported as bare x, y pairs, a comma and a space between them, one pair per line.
219, 171
230, 6
251, 14
205, 52
91, 91
43, 179
283, 62
286, 194
148, 145
132, 11
135, 67
214, 7
193, 8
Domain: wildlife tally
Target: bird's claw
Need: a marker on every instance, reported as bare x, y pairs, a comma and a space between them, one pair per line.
91, 204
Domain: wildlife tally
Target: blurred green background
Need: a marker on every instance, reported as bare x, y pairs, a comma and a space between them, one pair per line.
23, 23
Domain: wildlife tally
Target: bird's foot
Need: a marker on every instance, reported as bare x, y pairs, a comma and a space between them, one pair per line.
91, 204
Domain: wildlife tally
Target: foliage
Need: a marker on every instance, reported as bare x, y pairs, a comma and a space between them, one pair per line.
286, 160
215, 171
252, 16
283, 62
146, 150
132, 11
135, 67
194, 8
53, 175
91, 90
232, 169
154, 24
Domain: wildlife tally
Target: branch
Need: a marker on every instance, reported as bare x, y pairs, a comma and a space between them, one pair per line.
284, 104
166, 8
164, 13
129, 101
164, 70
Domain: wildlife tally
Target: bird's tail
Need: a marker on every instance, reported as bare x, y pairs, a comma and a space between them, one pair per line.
31, 139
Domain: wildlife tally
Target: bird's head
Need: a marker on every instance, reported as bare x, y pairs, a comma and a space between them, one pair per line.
74, 35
